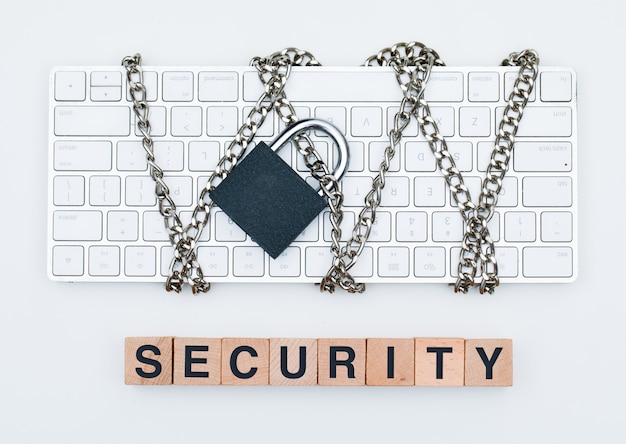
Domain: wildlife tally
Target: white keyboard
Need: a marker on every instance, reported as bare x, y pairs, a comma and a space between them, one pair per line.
104, 224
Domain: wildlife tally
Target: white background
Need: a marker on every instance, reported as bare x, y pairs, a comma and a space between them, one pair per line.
61, 354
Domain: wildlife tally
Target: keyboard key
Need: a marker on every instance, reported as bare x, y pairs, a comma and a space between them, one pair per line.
556, 86
484, 87
411, 226
203, 156
139, 261
393, 262
177, 86
367, 121
222, 121
287, 264
544, 262
430, 261
381, 228
509, 82
248, 261
151, 81
519, 226
186, 121
447, 226
542, 156
226, 230
180, 190
318, 261
354, 189
106, 93
444, 86
357, 160
462, 154
475, 121
430, 191
556, 226
158, 122
218, 86
92, 121
69, 86
444, 118
542, 121
140, 191
310, 233
69, 190
364, 264
396, 192
106, 78
122, 225
419, 157
104, 190
82, 155
154, 227
334, 114
131, 156
104, 260
412, 128
347, 224
67, 260
377, 153
169, 155
508, 261
214, 261
77, 225
267, 128
547, 191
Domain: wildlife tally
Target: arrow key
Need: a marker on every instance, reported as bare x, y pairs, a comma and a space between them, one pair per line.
106, 93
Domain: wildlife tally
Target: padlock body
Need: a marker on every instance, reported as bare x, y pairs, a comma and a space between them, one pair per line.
268, 200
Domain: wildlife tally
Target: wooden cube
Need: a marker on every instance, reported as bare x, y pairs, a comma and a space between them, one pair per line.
390, 362
245, 361
341, 361
197, 361
489, 362
439, 361
293, 361
148, 360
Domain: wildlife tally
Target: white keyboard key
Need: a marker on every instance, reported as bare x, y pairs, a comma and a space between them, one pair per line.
430, 191
267, 128
494, 227
140, 191
484, 150
367, 121
474, 185
396, 192
547, 191
77, 225
82, 155
248, 261
376, 155
104, 260
106, 93
178, 86
203, 156
180, 190
104, 190
556, 86
69, 86
508, 261
222, 121
393, 262
154, 227
412, 128
447, 226
548, 121
67, 260
287, 264
381, 228
131, 156
462, 154
519, 226
106, 78
218, 86
556, 226
484, 87
226, 230
302, 112
444, 118
444, 86
357, 160
508, 193
122, 226
92, 121
430, 262
167, 254
169, 155
418, 157
186, 121
140, 261
158, 122
475, 121
69, 190
213, 260
544, 262
509, 82
318, 261
334, 114
310, 233
542, 156
411, 226
354, 189
364, 265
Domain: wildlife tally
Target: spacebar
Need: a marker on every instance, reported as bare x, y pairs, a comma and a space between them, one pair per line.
92, 121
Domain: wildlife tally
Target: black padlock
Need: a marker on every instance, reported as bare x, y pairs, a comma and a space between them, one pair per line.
269, 200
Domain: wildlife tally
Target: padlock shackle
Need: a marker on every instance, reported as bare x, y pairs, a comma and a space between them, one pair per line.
341, 166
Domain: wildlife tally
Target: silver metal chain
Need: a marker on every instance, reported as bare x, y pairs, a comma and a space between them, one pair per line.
412, 63
477, 242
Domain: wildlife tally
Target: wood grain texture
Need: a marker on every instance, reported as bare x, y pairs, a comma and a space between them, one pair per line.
390, 362
148, 360
197, 361
489, 362
245, 361
341, 361
300, 365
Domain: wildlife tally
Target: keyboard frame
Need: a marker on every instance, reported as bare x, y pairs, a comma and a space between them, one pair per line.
451, 258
